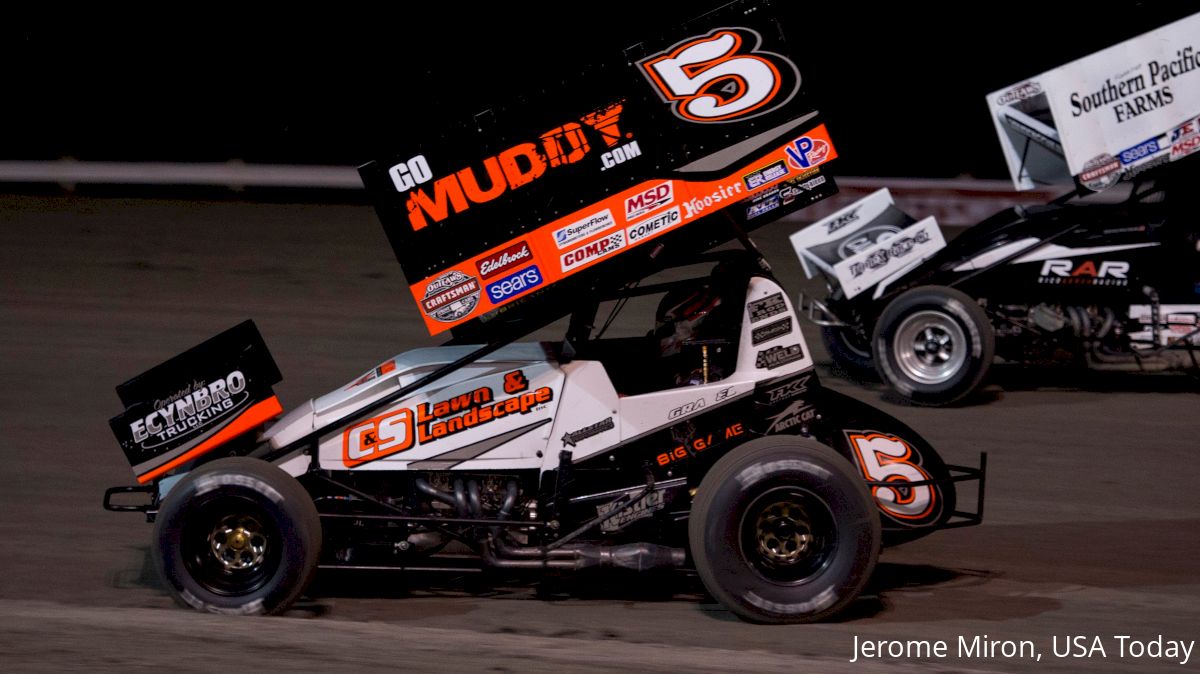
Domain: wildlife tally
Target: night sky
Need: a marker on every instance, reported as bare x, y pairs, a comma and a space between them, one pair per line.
902, 87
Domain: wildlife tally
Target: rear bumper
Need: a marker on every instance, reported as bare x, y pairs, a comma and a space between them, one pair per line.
149, 508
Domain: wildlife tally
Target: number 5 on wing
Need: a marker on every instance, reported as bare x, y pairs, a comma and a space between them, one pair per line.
715, 79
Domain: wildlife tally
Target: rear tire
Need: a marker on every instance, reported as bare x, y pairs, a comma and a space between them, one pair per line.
782, 530
238, 536
850, 353
933, 345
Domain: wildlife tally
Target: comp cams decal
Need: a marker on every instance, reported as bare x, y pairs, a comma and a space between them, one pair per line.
778, 356
724, 76
450, 296
887, 458
402, 429
590, 252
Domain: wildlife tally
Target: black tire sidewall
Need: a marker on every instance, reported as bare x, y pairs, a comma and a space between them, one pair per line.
855, 365
729, 490
278, 496
958, 307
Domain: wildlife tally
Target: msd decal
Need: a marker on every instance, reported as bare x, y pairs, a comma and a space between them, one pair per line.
595, 250
511, 169
450, 296
402, 429
805, 152
514, 255
652, 199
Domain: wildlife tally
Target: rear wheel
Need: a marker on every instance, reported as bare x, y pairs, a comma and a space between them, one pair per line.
850, 351
237, 535
933, 345
783, 531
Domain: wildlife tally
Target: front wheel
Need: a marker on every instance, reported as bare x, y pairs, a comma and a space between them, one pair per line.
933, 345
237, 535
782, 530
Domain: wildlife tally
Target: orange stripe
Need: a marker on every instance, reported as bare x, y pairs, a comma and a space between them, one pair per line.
246, 421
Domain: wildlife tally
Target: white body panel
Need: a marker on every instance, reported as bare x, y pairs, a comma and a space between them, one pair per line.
518, 409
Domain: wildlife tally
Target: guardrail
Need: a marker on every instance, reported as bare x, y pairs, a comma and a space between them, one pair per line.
959, 201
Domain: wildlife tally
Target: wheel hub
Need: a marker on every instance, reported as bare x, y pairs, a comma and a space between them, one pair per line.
238, 543
930, 347
783, 533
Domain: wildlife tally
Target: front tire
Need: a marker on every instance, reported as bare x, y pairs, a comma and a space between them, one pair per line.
239, 536
782, 530
933, 345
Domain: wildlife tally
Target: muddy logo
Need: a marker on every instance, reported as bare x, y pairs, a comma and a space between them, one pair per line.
450, 296
519, 165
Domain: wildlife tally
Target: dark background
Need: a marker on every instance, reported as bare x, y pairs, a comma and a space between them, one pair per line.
902, 85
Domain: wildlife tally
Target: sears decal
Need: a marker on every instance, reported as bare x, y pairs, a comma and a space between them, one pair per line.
190, 411
652, 199
402, 429
582, 229
771, 331
766, 307
647, 228
595, 250
513, 256
511, 286
450, 296
778, 356
572, 438
805, 152
765, 175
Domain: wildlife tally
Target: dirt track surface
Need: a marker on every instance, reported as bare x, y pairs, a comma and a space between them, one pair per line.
1092, 529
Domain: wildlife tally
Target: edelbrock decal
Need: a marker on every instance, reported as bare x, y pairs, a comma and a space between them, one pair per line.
766, 307
450, 296
574, 437
771, 331
513, 256
778, 356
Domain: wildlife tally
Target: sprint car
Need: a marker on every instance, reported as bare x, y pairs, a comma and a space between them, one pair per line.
1106, 285
699, 439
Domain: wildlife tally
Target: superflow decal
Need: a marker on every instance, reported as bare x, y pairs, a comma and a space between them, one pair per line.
402, 429
887, 458
723, 76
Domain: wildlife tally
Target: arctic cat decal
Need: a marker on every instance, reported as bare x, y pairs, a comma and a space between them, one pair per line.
887, 458
797, 413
